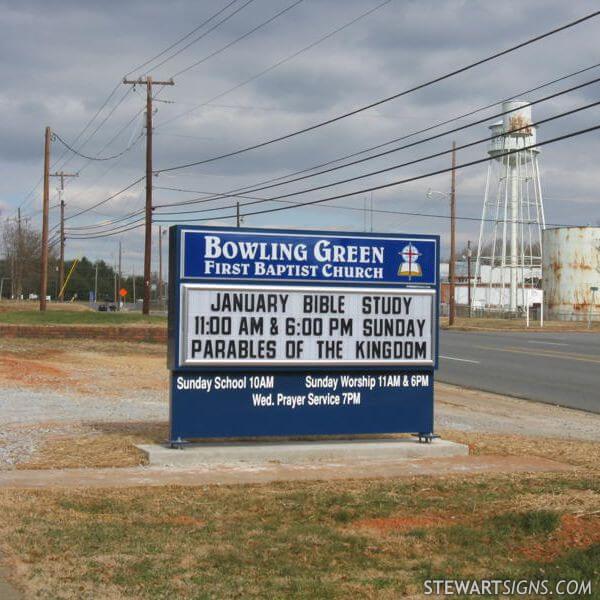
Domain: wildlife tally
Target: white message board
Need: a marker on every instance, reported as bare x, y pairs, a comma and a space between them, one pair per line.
273, 325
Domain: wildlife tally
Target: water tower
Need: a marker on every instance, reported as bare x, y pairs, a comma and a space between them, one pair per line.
509, 254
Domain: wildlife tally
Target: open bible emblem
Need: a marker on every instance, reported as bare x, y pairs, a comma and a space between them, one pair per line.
409, 267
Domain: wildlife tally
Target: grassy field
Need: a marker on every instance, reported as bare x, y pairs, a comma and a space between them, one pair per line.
363, 539
77, 317
475, 323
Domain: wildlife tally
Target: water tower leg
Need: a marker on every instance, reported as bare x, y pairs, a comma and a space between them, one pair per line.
514, 247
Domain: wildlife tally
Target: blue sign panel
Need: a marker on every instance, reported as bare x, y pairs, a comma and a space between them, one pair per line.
299, 257
278, 332
275, 404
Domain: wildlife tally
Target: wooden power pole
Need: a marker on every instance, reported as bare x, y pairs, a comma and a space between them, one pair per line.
119, 276
469, 255
452, 266
45, 208
18, 284
61, 264
160, 279
148, 82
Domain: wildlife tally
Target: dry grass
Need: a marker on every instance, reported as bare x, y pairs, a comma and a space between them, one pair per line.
104, 445
574, 452
368, 539
28, 305
113, 445
91, 451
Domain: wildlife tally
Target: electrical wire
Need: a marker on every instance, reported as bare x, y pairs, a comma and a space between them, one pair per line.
89, 123
81, 212
381, 101
410, 135
406, 163
185, 37
402, 181
262, 200
204, 34
277, 64
238, 39
109, 97
395, 183
107, 222
96, 158
108, 234
117, 86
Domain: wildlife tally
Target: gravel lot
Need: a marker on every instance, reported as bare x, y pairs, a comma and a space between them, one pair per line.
61, 387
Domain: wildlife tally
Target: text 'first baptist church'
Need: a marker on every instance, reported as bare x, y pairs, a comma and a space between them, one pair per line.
296, 259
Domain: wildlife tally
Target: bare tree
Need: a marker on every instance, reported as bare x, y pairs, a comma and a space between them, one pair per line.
20, 245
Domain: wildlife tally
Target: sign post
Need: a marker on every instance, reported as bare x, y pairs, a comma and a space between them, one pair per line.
278, 332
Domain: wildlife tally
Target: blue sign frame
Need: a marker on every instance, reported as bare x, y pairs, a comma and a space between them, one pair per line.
215, 401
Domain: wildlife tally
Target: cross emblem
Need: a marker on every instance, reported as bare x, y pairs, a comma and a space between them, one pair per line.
409, 266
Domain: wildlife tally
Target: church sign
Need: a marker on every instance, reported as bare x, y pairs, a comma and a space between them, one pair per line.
278, 332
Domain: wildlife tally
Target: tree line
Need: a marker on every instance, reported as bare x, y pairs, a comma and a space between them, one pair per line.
20, 259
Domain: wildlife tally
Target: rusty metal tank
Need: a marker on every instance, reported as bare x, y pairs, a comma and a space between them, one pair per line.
571, 268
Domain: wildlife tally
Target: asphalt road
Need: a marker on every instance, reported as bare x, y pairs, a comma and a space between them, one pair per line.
556, 368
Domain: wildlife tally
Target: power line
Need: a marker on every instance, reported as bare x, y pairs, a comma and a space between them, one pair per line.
410, 214
106, 223
414, 133
98, 127
357, 192
339, 182
402, 181
96, 158
211, 29
278, 63
106, 199
400, 165
109, 97
389, 98
137, 68
239, 39
138, 224
185, 37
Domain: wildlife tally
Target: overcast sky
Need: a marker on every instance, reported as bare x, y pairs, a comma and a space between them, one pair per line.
62, 59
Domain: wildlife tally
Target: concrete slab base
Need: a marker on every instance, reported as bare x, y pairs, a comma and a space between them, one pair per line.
342, 451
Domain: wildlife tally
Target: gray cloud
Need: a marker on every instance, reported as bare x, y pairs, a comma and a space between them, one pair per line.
62, 59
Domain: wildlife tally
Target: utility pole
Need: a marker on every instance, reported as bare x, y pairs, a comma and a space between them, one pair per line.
237, 214
134, 298
469, 255
119, 277
45, 208
160, 279
61, 264
96, 284
451, 269
19, 253
148, 82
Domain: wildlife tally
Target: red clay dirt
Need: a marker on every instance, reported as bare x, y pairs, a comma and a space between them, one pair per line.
574, 532
384, 524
